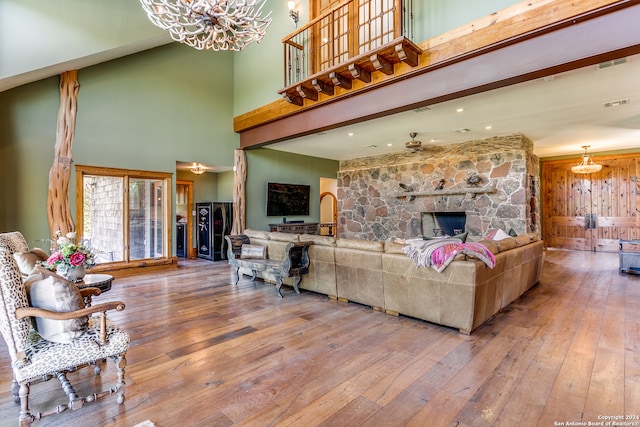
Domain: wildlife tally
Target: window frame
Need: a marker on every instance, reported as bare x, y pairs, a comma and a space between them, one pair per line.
126, 174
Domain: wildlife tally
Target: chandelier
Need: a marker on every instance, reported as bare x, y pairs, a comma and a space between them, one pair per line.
587, 165
197, 168
210, 24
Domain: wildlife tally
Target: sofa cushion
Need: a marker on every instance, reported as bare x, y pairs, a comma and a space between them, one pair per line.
522, 240
492, 245
394, 247
28, 260
360, 244
318, 240
49, 291
253, 252
283, 237
506, 244
256, 234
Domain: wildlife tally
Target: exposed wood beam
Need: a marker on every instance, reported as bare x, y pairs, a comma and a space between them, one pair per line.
406, 55
307, 93
359, 73
594, 36
322, 87
340, 80
381, 64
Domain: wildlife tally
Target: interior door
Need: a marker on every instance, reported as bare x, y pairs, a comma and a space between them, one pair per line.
590, 211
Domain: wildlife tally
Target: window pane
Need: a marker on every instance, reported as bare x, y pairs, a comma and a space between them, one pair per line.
102, 210
146, 221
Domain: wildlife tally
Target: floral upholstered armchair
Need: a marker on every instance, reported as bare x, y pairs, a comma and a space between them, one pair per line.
65, 335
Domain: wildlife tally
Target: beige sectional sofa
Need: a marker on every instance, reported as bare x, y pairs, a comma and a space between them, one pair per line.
378, 274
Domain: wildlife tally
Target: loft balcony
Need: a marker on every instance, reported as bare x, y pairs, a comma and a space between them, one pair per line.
352, 41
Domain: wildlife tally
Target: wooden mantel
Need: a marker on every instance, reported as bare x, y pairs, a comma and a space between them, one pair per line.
491, 188
576, 34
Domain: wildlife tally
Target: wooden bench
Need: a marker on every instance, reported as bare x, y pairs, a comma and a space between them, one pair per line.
294, 264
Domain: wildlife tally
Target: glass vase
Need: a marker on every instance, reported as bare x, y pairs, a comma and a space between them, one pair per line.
71, 273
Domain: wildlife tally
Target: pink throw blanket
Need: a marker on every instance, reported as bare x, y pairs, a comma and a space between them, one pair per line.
438, 253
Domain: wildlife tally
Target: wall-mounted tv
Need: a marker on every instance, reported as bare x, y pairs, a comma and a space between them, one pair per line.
287, 199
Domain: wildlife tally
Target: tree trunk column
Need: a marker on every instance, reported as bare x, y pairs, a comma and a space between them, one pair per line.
239, 183
58, 211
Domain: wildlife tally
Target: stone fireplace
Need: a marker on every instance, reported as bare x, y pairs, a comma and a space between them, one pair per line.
492, 183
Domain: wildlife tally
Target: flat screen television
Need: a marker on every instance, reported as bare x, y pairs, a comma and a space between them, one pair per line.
287, 199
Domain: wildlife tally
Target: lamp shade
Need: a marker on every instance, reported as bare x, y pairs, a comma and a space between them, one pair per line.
587, 165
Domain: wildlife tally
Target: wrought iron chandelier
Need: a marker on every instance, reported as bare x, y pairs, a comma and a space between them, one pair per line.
210, 24
587, 165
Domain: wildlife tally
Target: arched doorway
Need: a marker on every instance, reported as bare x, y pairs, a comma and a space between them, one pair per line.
328, 213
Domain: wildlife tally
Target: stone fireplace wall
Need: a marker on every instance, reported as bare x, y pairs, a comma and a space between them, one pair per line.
494, 181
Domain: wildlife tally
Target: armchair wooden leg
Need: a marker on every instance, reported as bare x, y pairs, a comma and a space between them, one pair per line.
296, 281
236, 275
26, 418
15, 391
121, 363
75, 402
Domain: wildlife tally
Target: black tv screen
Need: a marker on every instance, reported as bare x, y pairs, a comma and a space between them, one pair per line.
287, 199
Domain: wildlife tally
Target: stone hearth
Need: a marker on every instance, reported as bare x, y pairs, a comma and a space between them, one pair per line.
494, 181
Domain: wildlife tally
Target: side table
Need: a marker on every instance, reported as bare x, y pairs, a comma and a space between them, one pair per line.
100, 281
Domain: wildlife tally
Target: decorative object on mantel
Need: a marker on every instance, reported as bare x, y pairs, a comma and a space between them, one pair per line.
587, 165
407, 189
210, 24
413, 145
474, 179
197, 169
491, 188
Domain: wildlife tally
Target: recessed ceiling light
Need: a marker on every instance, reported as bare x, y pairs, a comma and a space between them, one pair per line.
488, 127
389, 145
350, 134
460, 110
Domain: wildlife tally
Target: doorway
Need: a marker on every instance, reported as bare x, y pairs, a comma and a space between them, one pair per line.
328, 207
591, 212
184, 221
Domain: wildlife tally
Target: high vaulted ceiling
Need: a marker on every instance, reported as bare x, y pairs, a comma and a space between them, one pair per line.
560, 113
596, 105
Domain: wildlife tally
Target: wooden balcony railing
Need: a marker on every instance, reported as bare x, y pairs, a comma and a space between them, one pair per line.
349, 42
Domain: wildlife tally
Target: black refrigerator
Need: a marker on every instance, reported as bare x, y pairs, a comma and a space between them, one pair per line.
213, 222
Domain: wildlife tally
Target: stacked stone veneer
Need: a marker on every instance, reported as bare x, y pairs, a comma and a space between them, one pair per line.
369, 207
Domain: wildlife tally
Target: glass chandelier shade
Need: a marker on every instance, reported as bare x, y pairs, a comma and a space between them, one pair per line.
587, 165
197, 169
210, 24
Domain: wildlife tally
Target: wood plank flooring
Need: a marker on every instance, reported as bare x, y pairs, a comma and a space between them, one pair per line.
207, 353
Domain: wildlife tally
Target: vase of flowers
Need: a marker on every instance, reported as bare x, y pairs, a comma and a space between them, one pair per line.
71, 258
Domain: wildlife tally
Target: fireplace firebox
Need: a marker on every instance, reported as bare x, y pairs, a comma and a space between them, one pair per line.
437, 224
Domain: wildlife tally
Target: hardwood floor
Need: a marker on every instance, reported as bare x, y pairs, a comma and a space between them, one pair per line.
207, 353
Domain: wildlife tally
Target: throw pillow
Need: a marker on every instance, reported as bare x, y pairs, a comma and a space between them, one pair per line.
28, 260
253, 252
51, 292
498, 234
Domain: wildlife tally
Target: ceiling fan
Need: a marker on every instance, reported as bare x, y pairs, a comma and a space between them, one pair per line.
413, 145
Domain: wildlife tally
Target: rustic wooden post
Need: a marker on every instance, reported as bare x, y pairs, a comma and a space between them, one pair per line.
58, 211
239, 182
